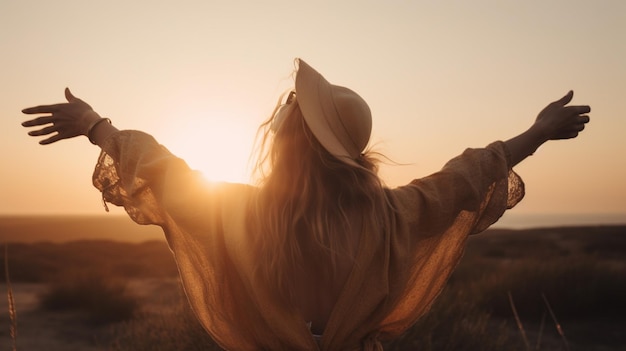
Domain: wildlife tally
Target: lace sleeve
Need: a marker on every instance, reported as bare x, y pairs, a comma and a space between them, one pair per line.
136, 172
472, 190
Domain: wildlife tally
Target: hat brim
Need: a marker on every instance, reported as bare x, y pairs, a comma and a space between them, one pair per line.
316, 101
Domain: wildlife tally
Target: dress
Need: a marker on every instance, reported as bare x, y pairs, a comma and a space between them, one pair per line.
394, 281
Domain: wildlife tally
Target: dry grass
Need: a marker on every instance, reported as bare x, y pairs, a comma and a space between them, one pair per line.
10, 300
38, 262
456, 323
175, 329
100, 296
581, 278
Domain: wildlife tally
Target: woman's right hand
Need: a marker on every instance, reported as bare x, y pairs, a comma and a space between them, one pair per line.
68, 120
557, 121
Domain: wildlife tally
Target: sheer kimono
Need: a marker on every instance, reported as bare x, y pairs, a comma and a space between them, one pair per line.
396, 275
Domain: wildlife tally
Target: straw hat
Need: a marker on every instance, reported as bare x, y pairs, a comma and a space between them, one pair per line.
337, 116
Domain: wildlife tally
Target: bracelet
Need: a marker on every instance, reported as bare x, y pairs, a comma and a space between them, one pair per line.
93, 126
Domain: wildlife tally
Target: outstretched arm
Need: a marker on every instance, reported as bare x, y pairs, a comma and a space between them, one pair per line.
68, 120
556, 121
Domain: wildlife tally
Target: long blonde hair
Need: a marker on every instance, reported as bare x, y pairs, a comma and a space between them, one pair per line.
308, 200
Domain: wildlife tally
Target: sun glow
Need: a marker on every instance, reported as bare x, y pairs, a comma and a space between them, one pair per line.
217, 147
219, 160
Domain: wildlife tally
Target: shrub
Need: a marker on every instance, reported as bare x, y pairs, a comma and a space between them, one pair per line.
580, 288
37, 261
163, 331
101, 296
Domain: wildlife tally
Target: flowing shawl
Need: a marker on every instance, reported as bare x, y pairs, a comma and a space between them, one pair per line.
396, 275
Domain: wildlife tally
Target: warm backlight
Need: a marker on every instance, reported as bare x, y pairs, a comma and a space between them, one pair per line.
217, 146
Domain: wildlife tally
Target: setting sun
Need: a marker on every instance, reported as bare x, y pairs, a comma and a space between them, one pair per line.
218, 146
454, 86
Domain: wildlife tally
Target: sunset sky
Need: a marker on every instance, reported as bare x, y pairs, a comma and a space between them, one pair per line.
200, 76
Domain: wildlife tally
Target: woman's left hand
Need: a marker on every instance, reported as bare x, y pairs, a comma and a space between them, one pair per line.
68, 120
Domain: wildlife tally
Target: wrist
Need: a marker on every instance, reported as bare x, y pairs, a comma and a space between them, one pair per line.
538, 134
525, 144
92, 127
89, 118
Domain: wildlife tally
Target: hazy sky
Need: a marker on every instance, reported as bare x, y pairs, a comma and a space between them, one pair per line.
200, 76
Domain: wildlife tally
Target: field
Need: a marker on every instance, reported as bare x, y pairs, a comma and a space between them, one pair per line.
118, 295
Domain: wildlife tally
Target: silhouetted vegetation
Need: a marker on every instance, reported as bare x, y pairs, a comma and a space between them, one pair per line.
38, 262
177, 329
100, 296
579, 270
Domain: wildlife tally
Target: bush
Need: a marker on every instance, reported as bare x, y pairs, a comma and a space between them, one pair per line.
102, 297
35, 262
576, 289
163, 331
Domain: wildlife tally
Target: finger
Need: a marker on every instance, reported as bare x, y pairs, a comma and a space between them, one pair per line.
51, 139
571, 132
38, 121
69, 96
43, 108
577, 109
583, 119
43, 131
73, 99
565, 99
567, 135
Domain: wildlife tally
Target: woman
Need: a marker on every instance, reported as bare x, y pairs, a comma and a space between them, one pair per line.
320, 255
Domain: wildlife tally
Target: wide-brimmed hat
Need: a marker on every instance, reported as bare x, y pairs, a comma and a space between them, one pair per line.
338, 117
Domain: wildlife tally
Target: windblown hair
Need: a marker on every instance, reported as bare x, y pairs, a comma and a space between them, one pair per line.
308, 204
